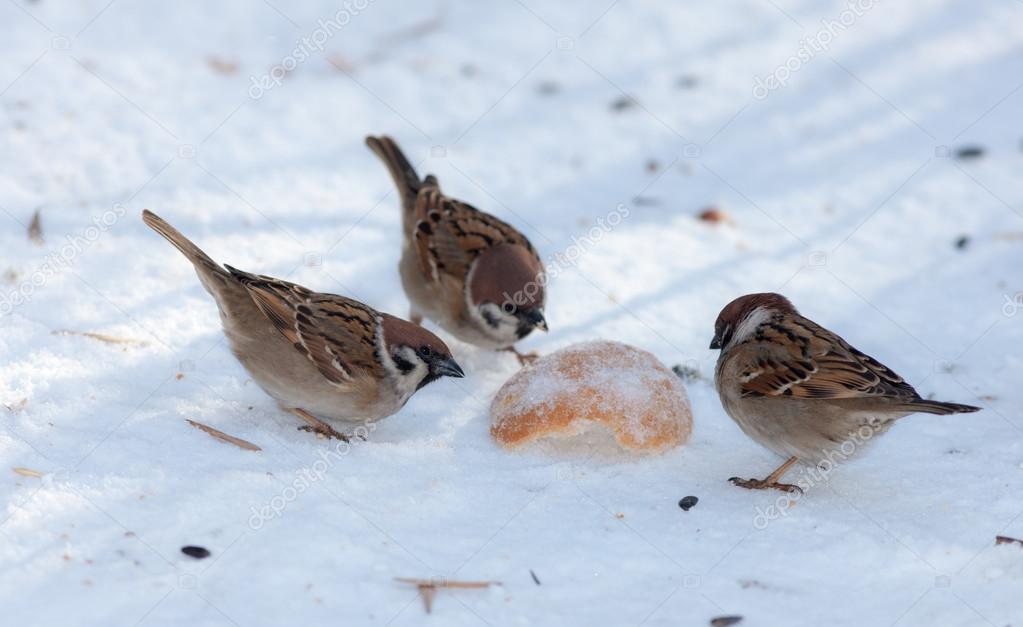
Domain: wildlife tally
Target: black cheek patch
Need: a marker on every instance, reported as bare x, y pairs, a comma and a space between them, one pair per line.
490, 318
403, 365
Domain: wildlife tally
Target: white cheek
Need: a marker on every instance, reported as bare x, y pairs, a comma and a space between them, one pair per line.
750, 324
504, 320
420, 370
405, 383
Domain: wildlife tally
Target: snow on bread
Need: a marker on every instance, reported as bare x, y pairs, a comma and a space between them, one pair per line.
624, 389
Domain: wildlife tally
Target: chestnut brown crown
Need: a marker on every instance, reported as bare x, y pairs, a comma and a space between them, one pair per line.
507, 272
507, 282
739, 309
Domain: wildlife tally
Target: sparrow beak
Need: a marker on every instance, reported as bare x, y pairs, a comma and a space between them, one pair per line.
446, 367
715, 344
536, 319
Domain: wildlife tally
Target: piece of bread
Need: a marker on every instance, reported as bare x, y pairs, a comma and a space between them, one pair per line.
625, 389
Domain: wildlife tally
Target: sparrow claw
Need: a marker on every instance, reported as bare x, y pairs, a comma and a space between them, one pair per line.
761, 484
524, 358
326, 431
317, 426
527, 358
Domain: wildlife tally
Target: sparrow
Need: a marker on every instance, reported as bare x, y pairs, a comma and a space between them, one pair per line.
317, 354
477, 277
802, 391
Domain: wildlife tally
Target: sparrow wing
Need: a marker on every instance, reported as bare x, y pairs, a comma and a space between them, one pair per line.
450, 234
337, 334
798, 358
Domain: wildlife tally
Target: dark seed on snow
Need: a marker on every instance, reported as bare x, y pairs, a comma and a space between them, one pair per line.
645, 201
969, 152
962, 242
197, 552
725, 621
688, 502
622, 103
686, 82
547, 88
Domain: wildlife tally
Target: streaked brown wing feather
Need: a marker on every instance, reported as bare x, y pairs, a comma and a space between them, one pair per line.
450, 234
340, 335
796, 357
336, 333
273, 297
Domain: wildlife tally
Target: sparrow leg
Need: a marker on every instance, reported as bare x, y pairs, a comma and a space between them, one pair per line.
415, 317
771, 481
317, 426
524, 358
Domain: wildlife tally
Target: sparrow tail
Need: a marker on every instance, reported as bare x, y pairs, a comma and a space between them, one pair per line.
940, 408
194, 254
404, 175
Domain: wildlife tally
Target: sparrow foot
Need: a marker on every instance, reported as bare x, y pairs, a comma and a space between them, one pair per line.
764, 484
771, 482
326, 431
317, 426
524, 358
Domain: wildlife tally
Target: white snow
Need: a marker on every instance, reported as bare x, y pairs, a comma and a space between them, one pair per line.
845, 198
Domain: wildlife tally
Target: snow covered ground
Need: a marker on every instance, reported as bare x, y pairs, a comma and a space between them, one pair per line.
831, 136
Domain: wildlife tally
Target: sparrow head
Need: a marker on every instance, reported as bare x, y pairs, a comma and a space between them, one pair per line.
506, 291
415, 354
741, 317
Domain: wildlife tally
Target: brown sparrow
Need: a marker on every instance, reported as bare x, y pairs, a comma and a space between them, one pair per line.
317, 353
802, 391
475, 276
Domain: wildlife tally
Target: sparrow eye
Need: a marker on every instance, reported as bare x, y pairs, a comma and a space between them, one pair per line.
425, 351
